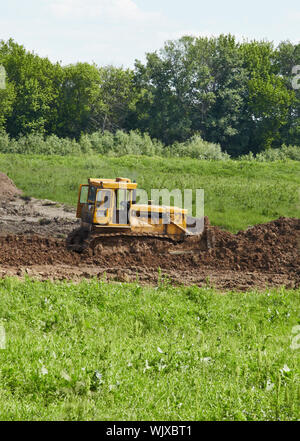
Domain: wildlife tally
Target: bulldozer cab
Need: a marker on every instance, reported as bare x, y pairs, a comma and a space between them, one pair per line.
105, 206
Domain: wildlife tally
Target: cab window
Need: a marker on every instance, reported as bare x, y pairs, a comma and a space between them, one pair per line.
84, 194
103, 198
92, 194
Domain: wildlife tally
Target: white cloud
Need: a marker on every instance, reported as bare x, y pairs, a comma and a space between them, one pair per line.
175, 35
114, 10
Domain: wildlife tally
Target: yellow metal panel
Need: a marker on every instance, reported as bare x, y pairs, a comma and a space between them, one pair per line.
112, 184
79, 205
103, 219
158, 208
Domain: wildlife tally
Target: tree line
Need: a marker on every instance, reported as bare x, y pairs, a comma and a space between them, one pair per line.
244, 96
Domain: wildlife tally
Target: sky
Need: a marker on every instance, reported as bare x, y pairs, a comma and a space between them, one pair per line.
119, 31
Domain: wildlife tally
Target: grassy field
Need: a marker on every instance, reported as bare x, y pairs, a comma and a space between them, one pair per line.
237, 193
98, 351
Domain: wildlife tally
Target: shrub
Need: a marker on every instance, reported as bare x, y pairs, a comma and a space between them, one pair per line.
284, 153
4, 142
197, 148
121, 143
133, 143
35, 143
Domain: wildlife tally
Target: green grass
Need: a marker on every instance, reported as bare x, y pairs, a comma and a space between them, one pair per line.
237, 193
98, 351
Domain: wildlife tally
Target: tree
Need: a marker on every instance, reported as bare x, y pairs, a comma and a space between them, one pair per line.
117, 99
268, 97
239, 95
164, 83
78, 92
7, 97
33, 85
226, 89
193, 85
286, 58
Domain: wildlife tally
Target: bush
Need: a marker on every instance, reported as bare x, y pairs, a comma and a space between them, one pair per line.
284, 153
35, 143
121, 143
61, 146
197, 148
4, 142
133, 143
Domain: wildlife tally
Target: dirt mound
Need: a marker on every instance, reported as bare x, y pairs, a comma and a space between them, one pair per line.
271, 246
8, 190
19, 215
265, 255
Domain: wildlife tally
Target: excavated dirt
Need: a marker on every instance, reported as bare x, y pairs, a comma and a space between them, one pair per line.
25, 215
8, 190
32, 241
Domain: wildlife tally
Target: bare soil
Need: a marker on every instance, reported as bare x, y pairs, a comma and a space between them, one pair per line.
32, 241
8, 189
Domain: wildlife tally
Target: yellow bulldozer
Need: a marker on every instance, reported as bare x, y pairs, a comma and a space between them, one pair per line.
107, 207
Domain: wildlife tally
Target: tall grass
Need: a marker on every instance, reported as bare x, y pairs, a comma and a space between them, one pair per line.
133, 143
284, 153
110, 144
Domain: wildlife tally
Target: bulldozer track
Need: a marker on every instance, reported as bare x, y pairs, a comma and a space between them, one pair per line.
208, 233
93, 240
85, 240
141, 235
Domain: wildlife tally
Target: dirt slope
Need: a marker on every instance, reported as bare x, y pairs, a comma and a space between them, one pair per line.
8, 190
20, 214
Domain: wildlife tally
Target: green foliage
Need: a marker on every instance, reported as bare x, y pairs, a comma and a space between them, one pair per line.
33, 87
35, 143
79, 94
7, 97
107, 143
110, 144
284, 153
98, 351
118, 94
197, 148
64, 101
237, 193
232, 94
286, 57
121, 143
